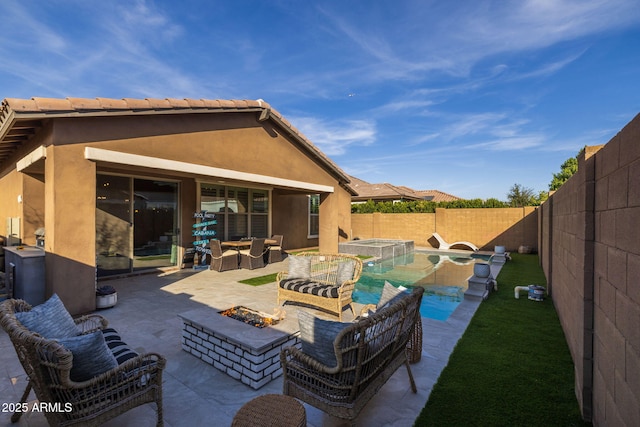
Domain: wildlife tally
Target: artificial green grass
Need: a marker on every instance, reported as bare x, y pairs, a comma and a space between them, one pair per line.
512, 366
261, 280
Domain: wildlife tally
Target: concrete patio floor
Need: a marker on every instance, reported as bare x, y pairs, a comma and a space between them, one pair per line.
196, 393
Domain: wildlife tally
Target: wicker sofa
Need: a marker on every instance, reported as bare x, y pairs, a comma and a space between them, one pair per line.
52, 371
367, 352
325, 281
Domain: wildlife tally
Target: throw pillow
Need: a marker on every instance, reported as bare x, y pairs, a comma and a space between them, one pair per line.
91, 356
49, 319
119, 348
389, 294
345, 272
299, 267
317, 336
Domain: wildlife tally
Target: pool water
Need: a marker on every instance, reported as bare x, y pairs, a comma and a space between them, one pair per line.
442, 275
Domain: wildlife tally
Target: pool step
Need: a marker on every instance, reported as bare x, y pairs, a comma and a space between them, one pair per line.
479, 288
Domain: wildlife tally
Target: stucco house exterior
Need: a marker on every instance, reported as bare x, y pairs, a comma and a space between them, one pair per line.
116, 183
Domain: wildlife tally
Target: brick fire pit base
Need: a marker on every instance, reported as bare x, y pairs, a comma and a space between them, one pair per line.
244, 352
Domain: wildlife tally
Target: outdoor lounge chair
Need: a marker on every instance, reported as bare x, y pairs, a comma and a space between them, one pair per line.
341, 366
275, 251
253, 257
222, 261
444, 245
53, 369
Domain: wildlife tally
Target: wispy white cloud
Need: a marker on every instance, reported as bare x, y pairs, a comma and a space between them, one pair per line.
336, 137
509, 144
459, 35
403, 105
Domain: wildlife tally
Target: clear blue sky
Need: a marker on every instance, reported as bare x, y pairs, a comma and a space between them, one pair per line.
466, 97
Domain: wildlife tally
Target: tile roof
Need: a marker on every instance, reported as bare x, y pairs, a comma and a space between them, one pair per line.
437, 195
20, 118
385, 191
381, 191
87, 105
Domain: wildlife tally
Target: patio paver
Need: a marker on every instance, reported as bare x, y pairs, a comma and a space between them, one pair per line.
195, 393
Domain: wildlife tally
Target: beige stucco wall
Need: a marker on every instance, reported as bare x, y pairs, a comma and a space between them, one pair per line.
590, 233
10, 189
61, 188
486, 228
69, 207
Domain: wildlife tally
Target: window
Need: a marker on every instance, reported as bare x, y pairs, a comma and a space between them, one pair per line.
240, 212
314, 215
259, 216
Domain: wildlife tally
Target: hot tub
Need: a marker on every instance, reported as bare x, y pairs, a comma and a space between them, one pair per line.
379, 248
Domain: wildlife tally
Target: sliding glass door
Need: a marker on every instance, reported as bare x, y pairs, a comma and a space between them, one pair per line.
136, 224
114, 233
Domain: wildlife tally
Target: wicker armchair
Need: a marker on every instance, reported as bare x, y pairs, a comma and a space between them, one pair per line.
254, 256
368, 352
324, 271
92, 402
222, 261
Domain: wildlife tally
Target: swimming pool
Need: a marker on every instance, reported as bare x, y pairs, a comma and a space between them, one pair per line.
443, 276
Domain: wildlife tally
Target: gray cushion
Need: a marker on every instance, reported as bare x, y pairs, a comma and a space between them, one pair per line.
389, 294
49, 319
345, 272
91, 356
299, 267
317, 336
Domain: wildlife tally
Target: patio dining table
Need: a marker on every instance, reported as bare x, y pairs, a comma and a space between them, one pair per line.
239, 244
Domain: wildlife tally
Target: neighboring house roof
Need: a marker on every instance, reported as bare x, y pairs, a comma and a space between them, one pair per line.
385, 192
21, 118
437, 196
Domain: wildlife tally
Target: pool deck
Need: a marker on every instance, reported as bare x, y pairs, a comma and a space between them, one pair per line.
195, 393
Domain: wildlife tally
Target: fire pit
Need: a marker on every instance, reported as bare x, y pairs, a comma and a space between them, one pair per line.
239, 349
250, 317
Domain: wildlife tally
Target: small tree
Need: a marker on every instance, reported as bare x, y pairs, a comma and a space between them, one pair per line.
567, 169
520, 196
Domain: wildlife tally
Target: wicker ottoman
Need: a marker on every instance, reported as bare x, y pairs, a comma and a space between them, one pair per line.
271, 410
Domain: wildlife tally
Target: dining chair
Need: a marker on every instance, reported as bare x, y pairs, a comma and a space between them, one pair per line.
275, 250
253, 257
222, 261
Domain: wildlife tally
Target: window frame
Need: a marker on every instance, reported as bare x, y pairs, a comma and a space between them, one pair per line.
311, 214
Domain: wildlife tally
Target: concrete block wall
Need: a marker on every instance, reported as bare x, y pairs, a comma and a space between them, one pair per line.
590, 252
417, 227
486, 228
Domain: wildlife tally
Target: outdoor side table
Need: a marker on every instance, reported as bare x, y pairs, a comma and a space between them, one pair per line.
271, 410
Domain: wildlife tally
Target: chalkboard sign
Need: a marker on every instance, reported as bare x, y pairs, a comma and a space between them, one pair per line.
203, 235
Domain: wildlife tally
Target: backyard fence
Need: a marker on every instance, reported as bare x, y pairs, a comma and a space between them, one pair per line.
484, 227
589, 251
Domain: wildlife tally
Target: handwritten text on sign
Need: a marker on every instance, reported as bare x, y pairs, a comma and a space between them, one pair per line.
200, 229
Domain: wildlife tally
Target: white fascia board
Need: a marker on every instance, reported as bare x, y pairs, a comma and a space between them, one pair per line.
109, 156
37, 154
